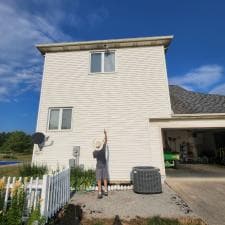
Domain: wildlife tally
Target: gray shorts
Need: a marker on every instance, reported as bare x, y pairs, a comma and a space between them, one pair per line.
102, 173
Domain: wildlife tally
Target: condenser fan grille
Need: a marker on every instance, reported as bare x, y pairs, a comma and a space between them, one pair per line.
146, 180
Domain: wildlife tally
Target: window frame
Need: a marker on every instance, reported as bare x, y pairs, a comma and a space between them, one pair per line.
60, 119
102, 62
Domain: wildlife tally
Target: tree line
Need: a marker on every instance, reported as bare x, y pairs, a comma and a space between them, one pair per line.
15, 142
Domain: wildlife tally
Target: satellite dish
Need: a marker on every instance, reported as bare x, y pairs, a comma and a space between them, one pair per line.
39, 139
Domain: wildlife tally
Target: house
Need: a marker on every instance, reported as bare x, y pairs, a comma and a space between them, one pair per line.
120, 85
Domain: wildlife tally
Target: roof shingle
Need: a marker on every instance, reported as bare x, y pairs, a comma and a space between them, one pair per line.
189, 102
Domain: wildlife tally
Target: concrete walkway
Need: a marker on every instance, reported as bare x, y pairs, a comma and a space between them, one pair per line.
128, 204
203, 188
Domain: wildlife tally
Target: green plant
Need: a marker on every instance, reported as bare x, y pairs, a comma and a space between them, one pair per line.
12, 215
98, 223
35, 215
81, 179
32, 170
15, 142
162, 221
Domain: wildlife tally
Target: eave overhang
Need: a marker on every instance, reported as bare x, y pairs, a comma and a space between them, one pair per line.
106, 44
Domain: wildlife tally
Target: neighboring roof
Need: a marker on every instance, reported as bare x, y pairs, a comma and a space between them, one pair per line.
103, 44
189, 102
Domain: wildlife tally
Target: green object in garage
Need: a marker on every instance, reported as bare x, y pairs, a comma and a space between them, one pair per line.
170, 159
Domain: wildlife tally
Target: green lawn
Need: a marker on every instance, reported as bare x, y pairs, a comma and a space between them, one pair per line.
13, 170
9, 171
16, 157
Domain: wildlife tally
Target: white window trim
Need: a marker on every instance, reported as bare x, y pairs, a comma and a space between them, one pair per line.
102, 64
60, 120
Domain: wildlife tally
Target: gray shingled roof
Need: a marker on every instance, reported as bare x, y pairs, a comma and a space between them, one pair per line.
189, 102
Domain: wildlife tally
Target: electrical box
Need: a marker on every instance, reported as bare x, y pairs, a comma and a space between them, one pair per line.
76, 151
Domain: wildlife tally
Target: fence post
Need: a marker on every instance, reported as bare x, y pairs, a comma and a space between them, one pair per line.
44, 196
7, 193
68, 184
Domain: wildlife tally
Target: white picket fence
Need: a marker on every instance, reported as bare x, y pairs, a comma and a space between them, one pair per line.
52, 192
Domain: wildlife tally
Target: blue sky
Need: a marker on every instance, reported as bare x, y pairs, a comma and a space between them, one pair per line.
195, 60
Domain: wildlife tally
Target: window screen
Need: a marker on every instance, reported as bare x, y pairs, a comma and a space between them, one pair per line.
109, 62
54, 119
95, 62
66, 119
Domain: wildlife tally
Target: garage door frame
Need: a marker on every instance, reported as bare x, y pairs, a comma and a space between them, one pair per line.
179, 121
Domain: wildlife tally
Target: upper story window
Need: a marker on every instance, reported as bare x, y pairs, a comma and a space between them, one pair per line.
60, 118
102, 62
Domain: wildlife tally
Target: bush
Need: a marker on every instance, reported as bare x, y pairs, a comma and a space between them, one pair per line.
16, 142
81, 179
32, 170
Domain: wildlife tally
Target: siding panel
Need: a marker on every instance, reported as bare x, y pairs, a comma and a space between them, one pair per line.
121, 102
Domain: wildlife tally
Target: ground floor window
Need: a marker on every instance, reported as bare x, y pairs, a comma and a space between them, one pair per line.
60, 118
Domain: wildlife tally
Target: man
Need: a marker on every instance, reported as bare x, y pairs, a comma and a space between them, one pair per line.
101, 166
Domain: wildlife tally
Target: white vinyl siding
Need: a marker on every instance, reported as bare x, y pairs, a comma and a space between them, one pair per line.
102, 62
121, 104
60, 118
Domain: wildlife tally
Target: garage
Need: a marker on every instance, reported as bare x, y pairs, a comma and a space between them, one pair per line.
194, 134
194, 146
195, 138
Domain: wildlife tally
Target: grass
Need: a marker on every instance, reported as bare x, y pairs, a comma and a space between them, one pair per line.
24, 169
9, 171
13, 170
24, 157
162, 221
29, 170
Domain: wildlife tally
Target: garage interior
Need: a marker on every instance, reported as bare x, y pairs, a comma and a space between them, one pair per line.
195, 146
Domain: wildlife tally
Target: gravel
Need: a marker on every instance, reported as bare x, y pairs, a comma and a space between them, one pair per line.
128, 204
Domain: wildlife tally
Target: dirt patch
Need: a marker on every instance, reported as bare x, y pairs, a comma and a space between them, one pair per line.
70, 215
145, 221
73, 215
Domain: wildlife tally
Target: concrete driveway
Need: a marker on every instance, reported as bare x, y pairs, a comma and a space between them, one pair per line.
203, 188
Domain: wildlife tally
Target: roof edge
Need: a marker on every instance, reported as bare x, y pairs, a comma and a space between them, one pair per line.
102, 44
195, 116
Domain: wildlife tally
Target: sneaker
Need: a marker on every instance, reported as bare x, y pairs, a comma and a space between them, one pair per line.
99, 195
105, 193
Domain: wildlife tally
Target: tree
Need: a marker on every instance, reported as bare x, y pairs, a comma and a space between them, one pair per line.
3, 138
18, 142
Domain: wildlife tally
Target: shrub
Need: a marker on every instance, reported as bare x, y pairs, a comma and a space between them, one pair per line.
32, 170
18, 142
81, 179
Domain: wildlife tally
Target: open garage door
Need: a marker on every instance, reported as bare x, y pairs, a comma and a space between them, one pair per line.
205, 146
197, 139
194, 152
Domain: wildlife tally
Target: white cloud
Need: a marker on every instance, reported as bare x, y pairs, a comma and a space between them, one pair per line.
20, 69
202, 77
23, 24
220, 89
